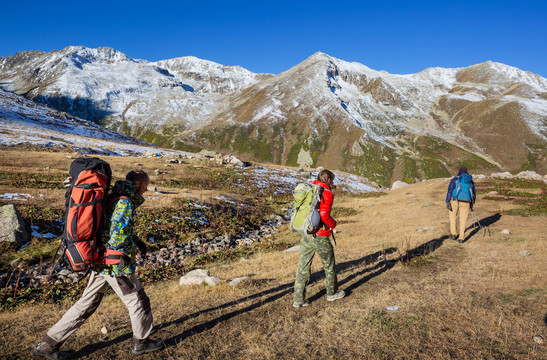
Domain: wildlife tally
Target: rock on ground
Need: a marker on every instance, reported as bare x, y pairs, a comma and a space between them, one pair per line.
232, 160
398, 184
503, 175
198, 277
529, 175
293, 249
238, 280
12, 226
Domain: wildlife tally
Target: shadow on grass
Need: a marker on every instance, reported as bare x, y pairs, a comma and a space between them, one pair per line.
276, 293
483, 224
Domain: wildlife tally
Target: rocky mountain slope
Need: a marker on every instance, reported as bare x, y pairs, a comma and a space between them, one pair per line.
24, 122
324, 111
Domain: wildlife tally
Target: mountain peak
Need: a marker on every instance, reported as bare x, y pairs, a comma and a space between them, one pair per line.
103, 54
497, 73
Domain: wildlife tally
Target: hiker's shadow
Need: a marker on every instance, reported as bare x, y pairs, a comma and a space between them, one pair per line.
381, 267
273, 294
482, 224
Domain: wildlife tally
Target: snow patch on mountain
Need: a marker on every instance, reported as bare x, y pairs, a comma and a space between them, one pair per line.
187, 93
23, 121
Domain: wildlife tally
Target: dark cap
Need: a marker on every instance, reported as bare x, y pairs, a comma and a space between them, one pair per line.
462, 170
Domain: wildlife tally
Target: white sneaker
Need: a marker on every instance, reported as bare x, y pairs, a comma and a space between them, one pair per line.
339, 294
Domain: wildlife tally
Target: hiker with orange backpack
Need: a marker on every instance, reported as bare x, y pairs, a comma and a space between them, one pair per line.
115, 267
461, 196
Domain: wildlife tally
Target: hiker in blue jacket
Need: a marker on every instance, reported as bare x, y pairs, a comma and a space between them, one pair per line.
461, 195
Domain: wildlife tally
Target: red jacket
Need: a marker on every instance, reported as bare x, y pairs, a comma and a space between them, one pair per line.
324, 209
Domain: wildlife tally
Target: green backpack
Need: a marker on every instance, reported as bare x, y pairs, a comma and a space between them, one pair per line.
305, 212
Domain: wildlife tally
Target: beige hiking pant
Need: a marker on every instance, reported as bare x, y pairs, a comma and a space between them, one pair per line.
130, 292
464, 214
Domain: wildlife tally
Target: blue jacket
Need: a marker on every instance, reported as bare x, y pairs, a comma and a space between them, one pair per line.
452, 186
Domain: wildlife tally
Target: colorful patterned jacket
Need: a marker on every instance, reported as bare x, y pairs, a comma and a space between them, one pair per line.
118, 233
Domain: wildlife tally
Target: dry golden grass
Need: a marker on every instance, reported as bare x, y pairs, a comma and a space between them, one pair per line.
49, 163
478, 300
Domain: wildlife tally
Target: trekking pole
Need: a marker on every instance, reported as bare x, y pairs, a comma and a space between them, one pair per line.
475, 219
333, 238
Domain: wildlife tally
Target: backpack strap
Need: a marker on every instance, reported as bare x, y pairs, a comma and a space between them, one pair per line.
113, 199
114, 257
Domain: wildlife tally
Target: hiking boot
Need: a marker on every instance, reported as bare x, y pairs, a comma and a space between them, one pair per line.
460, 241
45, 350
299, 305
339, 294
147, 347
453, 237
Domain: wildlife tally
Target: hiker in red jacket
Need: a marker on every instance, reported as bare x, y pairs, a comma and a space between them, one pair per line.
320, 243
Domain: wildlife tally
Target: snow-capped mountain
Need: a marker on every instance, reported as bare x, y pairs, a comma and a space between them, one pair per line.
341, 115
24, 122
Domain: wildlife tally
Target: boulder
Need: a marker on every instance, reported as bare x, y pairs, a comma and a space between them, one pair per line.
12, 226
292, 249
529, 175
15, 263
172, 155
304, 159
233, 160
198, 277
503, 175
524, 253
479, 176
505, 232
208, 153
237, 281
398, 184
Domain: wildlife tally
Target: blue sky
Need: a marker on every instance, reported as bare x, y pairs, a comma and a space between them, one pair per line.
400, 37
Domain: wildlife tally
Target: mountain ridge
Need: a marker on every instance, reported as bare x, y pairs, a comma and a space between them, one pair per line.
340, 114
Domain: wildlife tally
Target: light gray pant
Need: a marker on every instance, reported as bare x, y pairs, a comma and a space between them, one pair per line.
129, 290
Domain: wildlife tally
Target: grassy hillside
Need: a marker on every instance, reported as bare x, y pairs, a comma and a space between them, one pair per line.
480, 299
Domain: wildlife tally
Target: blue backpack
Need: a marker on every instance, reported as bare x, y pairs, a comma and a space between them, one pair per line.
464, 189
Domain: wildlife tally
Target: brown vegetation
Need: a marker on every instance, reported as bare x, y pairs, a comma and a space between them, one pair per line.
480, 299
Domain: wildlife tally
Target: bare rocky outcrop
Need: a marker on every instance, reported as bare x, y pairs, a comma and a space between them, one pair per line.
529, 175
503, 175
398, 184
12, 226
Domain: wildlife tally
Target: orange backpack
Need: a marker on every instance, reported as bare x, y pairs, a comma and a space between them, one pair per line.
89, 185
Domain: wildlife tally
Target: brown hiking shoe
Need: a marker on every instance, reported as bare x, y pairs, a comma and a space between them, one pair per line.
46, 351
147, 347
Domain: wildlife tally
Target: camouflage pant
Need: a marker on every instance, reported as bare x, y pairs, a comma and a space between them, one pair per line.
308, 247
